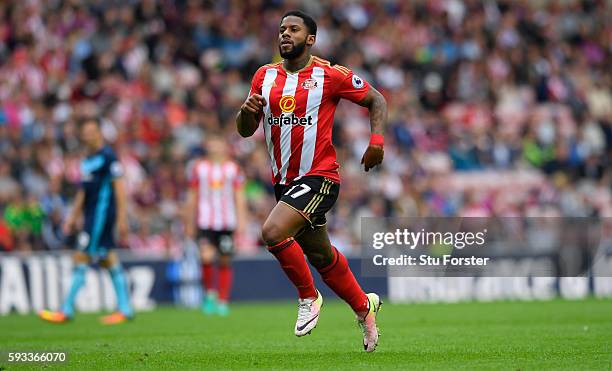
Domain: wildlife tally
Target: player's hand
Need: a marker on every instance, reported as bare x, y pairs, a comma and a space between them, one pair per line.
68, 226
254, 104
123, 229
240, 230
372, 157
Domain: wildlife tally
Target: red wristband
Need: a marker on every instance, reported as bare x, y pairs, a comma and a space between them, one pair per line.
377, 140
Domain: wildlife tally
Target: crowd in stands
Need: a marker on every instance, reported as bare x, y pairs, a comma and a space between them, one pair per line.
496, 108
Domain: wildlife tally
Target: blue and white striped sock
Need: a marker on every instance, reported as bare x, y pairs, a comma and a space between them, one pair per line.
121, 289
78, 280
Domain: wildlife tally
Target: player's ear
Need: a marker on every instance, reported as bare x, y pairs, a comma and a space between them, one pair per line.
310, 40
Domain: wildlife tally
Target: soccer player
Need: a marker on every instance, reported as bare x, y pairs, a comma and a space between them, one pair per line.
216, 203
297, 99
102, 200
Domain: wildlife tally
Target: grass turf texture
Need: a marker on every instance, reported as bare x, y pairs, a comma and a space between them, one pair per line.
503, 335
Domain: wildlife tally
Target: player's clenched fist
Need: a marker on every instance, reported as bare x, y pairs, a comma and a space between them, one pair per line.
254, 104
373, 156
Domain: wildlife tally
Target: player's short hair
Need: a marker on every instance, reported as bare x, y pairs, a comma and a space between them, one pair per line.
214, 136
308, 20
87, 120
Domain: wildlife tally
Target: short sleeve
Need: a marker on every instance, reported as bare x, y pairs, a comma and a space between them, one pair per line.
256, 82
115, 168
194, 180
348, 85
239, 178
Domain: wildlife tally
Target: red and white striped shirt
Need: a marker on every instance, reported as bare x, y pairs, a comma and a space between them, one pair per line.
216, 184
299, 116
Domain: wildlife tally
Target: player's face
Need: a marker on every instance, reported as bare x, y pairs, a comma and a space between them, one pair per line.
91, 135
216, 147
293, 37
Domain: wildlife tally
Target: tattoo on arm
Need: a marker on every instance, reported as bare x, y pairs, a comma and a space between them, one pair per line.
377, 105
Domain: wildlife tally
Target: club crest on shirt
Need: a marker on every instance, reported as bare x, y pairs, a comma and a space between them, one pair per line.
309, 84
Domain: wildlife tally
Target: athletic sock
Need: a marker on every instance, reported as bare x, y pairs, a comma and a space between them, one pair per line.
121, 290
291, 258
340, 279
78, 280
208, 277
225, 282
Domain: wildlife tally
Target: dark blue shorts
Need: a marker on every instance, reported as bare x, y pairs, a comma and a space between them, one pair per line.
97, 239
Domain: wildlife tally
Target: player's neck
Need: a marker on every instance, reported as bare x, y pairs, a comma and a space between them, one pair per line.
294, 65
96, 148
216, 159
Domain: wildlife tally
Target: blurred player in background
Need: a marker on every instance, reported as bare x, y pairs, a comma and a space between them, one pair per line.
297, 99
216, 209
102, 200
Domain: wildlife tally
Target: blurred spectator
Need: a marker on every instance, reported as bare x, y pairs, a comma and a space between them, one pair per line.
6, 237
24, 218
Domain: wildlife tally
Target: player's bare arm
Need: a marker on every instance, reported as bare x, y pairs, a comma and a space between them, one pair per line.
241, 210
377, 105
75, 212
121, 201
250, 114
190, 213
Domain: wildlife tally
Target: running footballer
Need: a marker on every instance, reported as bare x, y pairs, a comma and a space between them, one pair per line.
295, 100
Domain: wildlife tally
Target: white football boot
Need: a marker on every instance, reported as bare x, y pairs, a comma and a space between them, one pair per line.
368, 323
308, 314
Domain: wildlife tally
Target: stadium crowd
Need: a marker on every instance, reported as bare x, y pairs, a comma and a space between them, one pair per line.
496, 108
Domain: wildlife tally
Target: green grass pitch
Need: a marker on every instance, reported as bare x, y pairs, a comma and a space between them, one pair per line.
504, 335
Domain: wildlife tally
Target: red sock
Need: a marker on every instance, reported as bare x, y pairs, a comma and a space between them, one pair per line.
225, 282
292, 260
340, 279
208, 276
